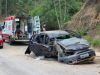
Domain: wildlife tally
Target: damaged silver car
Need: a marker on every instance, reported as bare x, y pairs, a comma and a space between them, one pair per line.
61, 44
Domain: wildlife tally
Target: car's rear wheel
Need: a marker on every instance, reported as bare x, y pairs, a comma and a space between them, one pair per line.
10, 41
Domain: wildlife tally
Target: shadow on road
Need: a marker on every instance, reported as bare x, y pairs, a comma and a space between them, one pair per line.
18, 44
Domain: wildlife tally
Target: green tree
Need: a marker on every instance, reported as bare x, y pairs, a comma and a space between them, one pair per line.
56, 12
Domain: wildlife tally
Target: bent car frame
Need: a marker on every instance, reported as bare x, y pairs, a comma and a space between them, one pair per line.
61, 44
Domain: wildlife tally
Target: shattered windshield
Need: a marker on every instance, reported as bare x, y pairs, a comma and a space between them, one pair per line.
74, 40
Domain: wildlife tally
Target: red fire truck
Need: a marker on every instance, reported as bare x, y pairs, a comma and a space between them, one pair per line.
15, 30
10, 31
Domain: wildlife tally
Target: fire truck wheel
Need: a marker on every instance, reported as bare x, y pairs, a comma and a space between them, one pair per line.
10, 41
1, 47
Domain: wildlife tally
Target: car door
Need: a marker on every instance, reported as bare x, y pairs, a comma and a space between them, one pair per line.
38, 45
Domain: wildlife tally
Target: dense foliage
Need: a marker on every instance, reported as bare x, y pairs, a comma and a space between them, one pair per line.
53, 13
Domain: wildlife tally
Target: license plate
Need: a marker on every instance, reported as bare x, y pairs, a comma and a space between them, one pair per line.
84, 55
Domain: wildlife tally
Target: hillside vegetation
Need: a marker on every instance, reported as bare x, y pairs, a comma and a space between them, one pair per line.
87, 21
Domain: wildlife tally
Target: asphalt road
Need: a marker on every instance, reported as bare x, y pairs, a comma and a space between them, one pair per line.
14, 62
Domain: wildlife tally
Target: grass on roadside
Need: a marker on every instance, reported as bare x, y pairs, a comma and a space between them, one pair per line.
93, 42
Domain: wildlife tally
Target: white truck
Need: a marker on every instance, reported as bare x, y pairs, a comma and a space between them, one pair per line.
15, 30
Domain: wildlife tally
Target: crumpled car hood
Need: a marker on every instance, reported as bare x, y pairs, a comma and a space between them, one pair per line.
74, 43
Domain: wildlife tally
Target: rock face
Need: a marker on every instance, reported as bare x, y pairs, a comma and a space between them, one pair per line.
87, 19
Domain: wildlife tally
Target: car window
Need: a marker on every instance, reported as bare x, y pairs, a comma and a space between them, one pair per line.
33, 38
46, 39
37, 38
40, 39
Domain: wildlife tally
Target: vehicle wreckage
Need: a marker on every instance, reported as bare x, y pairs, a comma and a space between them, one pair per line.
61, 44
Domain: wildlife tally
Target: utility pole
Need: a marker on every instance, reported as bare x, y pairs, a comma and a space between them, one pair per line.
6, 8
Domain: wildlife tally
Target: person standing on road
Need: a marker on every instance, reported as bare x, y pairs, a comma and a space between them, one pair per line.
44, 27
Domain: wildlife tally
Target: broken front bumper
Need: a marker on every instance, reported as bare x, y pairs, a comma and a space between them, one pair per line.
78, 58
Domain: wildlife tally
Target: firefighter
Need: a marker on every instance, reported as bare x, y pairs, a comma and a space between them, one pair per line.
44, 27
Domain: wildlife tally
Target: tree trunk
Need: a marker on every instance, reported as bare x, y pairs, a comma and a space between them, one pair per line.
0, 7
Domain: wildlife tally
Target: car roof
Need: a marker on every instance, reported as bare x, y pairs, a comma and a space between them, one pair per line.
55, 33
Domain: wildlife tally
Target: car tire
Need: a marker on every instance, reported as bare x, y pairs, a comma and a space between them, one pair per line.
68, 62
1, 47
